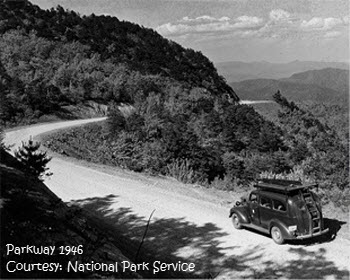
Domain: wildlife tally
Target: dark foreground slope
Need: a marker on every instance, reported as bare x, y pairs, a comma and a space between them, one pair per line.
32, 215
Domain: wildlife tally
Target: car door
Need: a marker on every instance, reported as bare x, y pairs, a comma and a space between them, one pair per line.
265, 211
254, 208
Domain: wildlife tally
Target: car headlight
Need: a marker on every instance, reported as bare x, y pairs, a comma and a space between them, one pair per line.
292, 228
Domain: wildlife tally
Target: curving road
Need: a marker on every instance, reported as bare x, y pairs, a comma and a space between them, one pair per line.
190, 223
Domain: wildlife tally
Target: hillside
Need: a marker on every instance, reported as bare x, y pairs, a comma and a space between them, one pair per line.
55, 58
236, 71
325, 85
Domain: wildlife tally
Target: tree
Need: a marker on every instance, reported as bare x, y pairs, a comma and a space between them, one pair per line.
116, 120
299, 152
34, 162
283, 102
234, 166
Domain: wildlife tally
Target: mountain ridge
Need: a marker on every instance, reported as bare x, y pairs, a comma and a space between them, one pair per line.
324, 85
236, 71
333, 78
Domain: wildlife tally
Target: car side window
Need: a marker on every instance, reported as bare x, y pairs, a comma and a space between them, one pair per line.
253, 198
279, 205
266, 202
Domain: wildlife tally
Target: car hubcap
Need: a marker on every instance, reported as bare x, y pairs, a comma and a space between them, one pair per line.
276, 234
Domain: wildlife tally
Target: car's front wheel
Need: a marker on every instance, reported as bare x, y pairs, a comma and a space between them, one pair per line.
235, 221
276, 235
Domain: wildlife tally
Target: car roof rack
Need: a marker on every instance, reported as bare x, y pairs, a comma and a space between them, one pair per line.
285, 186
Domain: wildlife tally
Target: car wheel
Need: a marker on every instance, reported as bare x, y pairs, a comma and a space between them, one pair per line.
236, 222
276, 235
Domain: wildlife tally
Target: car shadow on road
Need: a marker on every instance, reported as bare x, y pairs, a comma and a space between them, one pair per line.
333, 225
172, 240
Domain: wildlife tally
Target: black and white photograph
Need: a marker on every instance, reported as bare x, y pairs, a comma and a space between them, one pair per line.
174, 139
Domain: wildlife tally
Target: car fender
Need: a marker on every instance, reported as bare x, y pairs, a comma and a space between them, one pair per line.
242, 214
284, 229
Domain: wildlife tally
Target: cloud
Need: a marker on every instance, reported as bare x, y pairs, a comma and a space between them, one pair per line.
332, 34
248, 22
279, 15
204, 18
315, 22
208, 24
278, 23
318, 23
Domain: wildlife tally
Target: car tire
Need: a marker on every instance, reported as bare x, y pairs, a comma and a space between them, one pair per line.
235, 221
276, 235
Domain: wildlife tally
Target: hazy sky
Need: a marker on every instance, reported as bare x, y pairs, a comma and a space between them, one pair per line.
245, 30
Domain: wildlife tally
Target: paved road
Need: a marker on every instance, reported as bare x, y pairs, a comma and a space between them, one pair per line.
249, 102
188, 224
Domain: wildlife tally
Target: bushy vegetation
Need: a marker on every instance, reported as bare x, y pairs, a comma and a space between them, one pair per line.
226, 146
318, 153
189, 134
335, 116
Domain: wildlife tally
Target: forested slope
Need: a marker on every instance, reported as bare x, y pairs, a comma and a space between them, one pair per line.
54, 58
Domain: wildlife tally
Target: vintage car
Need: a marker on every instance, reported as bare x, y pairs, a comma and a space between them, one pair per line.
281, 208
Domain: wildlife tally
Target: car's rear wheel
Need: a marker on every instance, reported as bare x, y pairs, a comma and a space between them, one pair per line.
235, 221
276, 235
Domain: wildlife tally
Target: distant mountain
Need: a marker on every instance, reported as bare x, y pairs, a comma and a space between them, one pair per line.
336, 79
325, 85
235, 71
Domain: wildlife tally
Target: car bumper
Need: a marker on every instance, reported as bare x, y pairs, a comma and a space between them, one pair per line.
312, 235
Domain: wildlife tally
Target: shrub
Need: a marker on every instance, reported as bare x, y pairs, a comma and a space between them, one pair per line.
227, 183
116, 119
153, 157
233, 165
181, 170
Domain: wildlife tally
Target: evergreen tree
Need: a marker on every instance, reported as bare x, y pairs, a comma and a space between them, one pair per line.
34, 162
